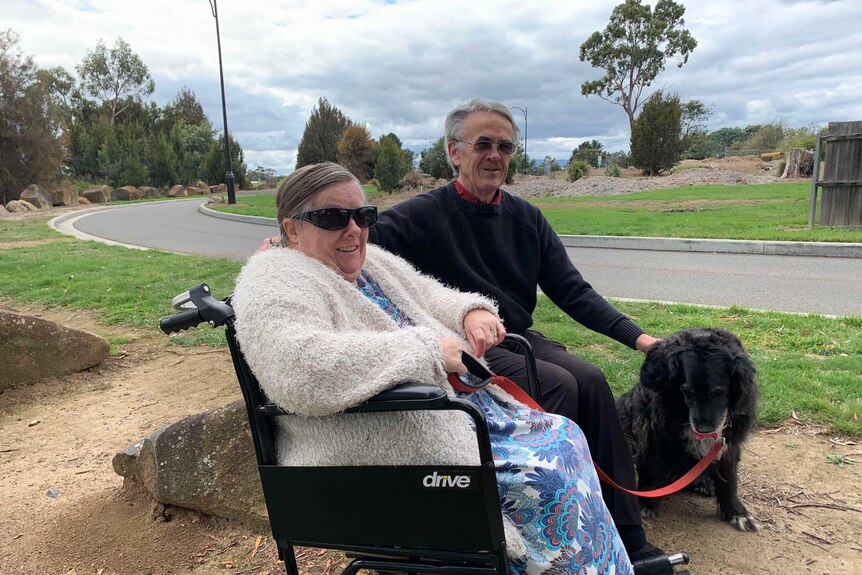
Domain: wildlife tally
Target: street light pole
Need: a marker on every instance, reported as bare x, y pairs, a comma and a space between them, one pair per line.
524, 111
231, 196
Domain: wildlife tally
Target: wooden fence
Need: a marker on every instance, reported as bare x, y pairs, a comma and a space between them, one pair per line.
841, 200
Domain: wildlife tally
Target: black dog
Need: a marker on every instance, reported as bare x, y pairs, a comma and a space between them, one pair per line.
692, 384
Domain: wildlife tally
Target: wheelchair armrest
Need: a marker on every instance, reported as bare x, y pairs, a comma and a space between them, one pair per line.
408, 396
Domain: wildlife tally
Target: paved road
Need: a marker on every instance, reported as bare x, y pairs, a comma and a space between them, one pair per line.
768, 282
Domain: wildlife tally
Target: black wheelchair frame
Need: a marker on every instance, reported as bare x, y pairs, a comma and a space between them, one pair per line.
411, 519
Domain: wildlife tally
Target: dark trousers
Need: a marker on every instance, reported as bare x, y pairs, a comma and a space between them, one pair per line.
576, 389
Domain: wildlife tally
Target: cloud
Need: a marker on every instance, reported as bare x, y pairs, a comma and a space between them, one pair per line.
400, 66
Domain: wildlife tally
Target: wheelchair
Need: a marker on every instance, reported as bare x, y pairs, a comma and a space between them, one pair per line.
443, 519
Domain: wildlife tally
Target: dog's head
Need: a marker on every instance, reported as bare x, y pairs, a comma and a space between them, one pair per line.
707, 370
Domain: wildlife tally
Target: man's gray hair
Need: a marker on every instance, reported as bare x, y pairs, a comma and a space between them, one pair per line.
454, 127
297, 190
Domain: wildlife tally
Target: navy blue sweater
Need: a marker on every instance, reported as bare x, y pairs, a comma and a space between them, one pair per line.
503, 251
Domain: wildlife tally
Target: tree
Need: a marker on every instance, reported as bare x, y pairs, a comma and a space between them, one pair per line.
389, 168
185, 107
323, 129
695, 115
357, 152
633, 50
192, 145
30, 150
588, 152
215, 167
261, 174
434, 163
657, 137
165, 165
116, 77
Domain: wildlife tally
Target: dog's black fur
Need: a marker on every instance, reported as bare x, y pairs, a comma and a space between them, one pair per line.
696, 380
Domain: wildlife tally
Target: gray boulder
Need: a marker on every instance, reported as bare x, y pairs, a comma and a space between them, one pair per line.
32, 348
126, 193
204, 462
3, 210
64, 197
150, 192
39, 197
99, 195
20, 207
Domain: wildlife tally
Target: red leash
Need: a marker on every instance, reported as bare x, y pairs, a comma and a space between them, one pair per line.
512, 389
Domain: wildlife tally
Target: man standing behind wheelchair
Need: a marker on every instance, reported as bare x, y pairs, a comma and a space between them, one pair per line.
472, 235
326, 322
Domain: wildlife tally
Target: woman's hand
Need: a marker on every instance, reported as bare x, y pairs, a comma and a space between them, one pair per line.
452, 356
484, 330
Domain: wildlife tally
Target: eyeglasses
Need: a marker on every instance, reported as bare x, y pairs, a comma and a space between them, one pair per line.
339, 218
484, 147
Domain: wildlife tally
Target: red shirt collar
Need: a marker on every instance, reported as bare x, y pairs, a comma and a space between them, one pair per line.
462, 191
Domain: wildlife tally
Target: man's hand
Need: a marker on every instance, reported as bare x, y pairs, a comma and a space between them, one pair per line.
644, 342
268, 243
484, 330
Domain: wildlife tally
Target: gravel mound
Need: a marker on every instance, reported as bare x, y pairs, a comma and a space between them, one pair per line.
539, 187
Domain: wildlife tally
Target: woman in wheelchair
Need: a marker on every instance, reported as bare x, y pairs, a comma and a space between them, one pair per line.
326, 322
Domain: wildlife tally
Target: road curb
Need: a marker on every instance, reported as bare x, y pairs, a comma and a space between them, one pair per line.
762, 247
238, 217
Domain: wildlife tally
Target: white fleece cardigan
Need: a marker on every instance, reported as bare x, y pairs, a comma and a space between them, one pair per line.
318, 346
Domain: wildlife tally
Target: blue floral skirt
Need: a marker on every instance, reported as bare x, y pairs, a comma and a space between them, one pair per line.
550, 491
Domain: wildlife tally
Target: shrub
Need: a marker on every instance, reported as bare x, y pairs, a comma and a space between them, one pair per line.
613, 170
657, 135
577, 169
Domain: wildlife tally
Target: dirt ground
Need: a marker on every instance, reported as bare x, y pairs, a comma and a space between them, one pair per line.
64, 510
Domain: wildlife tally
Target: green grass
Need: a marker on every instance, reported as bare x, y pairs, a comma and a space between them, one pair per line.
750, 212
123, 286
810, 365
264, 205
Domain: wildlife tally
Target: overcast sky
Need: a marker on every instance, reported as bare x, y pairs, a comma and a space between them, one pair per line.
400, 66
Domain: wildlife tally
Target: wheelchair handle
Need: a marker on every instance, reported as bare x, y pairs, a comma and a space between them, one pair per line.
198, 306
180, 321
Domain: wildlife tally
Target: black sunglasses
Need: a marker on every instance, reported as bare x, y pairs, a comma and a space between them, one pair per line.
338, 218
485, 147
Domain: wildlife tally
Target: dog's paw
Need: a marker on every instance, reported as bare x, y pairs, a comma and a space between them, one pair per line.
648, 513
703, 486
745, 522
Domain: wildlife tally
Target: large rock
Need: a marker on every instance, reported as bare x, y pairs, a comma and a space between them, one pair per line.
39, 197
20, 206
204, 462
99, 195
193, 191
202, 185
177, 191
3, 210
65, 197
126, 193
150, 192
32, 348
